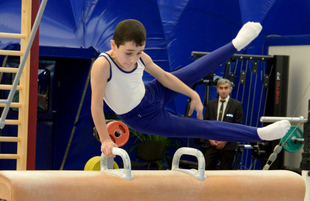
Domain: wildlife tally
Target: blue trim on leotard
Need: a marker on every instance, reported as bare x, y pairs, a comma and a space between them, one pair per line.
110, 67
120, 68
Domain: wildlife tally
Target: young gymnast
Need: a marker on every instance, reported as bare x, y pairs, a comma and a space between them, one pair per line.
116, 78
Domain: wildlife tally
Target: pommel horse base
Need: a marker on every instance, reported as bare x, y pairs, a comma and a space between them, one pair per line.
242, 185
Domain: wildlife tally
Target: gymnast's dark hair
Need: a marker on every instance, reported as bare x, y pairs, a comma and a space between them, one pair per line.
129, 30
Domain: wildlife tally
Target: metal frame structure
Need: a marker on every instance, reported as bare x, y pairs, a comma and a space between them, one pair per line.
20, 83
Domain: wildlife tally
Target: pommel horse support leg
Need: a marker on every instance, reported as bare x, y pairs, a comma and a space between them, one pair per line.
177, 184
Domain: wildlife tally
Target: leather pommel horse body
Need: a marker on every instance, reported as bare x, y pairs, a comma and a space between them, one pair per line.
242, 185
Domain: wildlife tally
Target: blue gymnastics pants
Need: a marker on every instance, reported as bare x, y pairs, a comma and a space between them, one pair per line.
150, 116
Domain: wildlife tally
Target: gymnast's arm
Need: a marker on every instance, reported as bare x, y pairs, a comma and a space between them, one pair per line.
170, 81
100, 74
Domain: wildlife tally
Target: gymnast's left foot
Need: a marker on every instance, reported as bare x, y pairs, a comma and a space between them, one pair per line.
246, 35
274, 131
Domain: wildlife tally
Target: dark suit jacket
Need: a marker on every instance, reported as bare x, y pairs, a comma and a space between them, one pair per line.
233, 114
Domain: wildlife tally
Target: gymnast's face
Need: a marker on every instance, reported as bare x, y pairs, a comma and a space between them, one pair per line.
127, 55
223, 90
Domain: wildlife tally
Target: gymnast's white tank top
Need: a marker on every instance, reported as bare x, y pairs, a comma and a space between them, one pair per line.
124, 90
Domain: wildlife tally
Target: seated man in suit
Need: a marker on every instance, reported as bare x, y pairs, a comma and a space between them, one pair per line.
224, 108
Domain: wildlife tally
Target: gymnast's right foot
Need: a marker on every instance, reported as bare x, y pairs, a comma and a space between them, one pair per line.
246, 35
274, 131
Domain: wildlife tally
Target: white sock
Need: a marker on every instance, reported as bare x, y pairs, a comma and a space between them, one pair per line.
246, 35
274, 131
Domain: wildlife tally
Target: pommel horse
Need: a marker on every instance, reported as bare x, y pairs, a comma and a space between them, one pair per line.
175, 184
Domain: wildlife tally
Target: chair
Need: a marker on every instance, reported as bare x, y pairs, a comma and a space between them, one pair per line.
148, 154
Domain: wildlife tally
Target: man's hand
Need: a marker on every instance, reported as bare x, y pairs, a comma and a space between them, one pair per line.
106, 147
220, 144
213, 143
196, 104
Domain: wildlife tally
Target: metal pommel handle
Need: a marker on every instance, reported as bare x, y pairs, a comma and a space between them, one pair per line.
300, 119
200, 173
123, 173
